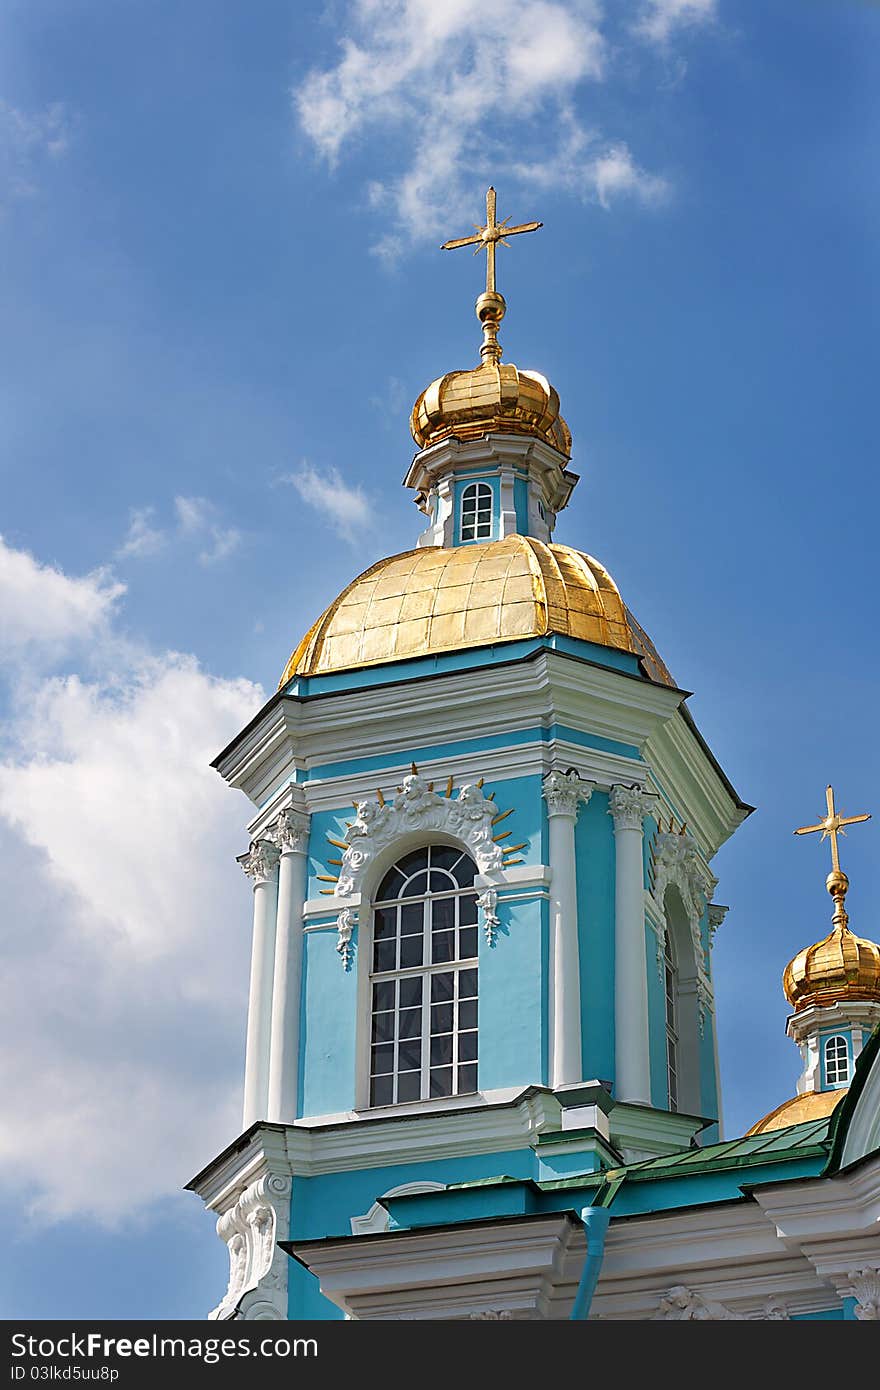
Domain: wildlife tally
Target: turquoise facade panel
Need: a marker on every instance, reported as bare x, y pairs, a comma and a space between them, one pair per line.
328, 1027
324, 1206
512, 985
325, 823
459, 747
594, 853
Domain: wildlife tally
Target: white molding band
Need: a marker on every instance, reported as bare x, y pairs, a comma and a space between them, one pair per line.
564, 792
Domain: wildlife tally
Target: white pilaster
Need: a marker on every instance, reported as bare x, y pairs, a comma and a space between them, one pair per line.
292, 838
261, 865
507, 509
632, 1066
563, 792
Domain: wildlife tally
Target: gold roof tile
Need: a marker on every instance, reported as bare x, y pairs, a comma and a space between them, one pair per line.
416, 603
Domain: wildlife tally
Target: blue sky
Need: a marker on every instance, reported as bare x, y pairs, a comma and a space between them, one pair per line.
221, 293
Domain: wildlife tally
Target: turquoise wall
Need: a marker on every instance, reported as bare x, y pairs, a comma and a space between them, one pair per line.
327, 1027
324, 1206
594, 851
512, 1012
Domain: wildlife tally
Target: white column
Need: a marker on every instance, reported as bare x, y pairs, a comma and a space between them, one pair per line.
261, 865
292, 837
563, 792
632, 1061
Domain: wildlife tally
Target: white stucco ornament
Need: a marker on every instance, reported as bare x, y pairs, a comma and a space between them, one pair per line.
865, 1284
257, 1290
467, 818
683, 1305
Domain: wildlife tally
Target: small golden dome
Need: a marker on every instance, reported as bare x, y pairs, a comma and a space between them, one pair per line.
841, 966
813, 1105
496, 397
442, 599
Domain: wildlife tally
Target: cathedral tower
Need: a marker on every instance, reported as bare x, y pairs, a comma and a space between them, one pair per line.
483, 823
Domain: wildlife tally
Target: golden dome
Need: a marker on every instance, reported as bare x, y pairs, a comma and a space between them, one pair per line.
813, 1105
842, 966
440, 599
496, 397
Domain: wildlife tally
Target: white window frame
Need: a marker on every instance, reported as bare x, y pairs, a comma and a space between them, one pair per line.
425, 971
480, 519
841, 1075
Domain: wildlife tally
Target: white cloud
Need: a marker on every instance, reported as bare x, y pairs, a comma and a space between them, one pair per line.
661, 17
41, 606
347, 508
123, 981
197, 517
143, 538
27, 139
476, 93
582, 165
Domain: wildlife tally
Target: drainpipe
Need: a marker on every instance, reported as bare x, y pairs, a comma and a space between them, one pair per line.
595, 1221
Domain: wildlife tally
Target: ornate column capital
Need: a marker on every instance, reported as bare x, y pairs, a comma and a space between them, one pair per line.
564, 792
290, 832
260, 861
628, 806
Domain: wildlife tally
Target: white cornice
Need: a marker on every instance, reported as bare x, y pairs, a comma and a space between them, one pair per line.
549, 688
353, 1140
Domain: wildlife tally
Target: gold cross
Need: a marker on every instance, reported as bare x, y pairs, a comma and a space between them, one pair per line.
490, 236
832, 826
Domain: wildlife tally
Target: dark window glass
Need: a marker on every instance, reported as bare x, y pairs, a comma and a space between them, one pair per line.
467, 1047
443, 914
409, 1086
384, 955
410, 951
467, 1013
441, 1018
467, 1079
383, 1028
467, 943
410, 992
441, 1081
381, 1090
383, 1060
441, 1049
467, 984
410, 1023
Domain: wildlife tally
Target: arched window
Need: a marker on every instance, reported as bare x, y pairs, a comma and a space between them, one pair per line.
670, 985
836, 1061
423, 1026
476, 512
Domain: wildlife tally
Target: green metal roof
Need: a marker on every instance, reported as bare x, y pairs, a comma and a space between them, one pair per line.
797, 1141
